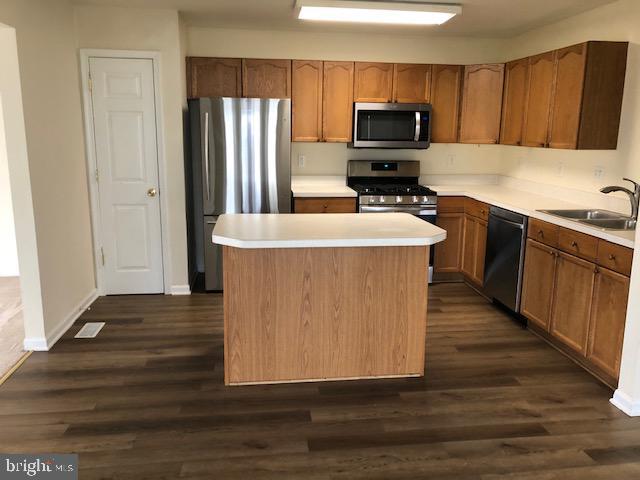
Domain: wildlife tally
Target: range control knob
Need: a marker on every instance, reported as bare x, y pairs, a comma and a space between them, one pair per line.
398, 199
414, 199
371, 199
425, 199
381, 199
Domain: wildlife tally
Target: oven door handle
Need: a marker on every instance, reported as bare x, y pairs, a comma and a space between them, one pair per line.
404, 209
416, 136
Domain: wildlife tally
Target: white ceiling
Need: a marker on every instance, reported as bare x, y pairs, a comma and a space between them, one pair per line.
480, 18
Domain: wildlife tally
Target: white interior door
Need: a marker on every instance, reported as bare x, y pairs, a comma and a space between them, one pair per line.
124, 122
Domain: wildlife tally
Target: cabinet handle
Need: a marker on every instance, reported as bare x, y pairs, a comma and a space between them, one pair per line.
596, 270
540, 233
574, 244
612, 256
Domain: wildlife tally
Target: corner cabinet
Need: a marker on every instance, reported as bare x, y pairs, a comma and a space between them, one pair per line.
481, 103
539, 92
578, 304
516, 77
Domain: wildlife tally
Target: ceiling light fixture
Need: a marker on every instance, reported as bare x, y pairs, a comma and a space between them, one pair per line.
407, 13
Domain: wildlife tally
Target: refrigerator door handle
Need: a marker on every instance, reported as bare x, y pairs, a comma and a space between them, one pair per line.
206, 155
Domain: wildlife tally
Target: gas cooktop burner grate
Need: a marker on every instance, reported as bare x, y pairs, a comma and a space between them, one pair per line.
392, 189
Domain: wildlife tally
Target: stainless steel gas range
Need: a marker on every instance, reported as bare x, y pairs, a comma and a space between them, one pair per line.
392, 186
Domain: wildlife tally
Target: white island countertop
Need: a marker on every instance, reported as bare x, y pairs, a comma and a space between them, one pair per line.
324, 230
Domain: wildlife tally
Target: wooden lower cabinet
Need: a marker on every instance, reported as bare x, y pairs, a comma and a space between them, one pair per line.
325, 205
474, 246
448, 254
606, 326
537, 285
572, 298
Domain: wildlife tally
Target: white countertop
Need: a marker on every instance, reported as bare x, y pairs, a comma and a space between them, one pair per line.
528, 204
324, 230
321, 186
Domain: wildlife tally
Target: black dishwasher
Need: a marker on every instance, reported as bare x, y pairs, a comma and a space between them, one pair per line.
504, 259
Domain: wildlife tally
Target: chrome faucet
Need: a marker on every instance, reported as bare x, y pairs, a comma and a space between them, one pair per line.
634, 196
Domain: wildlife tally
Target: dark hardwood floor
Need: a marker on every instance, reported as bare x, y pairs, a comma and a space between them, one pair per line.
146, 400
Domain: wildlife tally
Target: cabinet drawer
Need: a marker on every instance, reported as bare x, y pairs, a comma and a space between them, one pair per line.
324, 205
615, 257
451, 204
476, 209
543, 232
578, 244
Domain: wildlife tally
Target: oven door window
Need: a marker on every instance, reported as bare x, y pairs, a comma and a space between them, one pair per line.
385, 126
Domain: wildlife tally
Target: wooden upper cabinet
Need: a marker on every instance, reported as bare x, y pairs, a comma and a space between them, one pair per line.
537, 286
306, 100
536, 116
214, 77
567, 97
337, 101
481, 103
572, 298
266, 78
411, 83
515, 94
608, 316
373, 82
446, 87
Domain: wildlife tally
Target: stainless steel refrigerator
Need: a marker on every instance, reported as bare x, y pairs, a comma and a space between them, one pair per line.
240, 162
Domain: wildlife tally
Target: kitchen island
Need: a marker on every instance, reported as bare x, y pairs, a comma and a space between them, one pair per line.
310, 297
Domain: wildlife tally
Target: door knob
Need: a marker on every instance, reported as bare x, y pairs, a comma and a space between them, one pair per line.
152, 192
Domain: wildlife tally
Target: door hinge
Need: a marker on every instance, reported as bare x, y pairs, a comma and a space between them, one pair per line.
90, 84
102, 255
97, 176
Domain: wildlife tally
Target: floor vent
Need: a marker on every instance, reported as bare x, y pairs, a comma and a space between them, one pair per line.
90, 330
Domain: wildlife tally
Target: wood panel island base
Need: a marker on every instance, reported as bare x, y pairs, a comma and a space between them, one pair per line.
309, 299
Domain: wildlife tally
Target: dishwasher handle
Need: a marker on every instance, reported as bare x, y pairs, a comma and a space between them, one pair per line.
515, 224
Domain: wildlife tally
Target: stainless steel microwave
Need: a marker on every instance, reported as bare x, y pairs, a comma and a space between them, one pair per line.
391, 125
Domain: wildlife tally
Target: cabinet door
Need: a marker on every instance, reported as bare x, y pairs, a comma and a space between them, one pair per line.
446, 84
306, 100
536, 117
608, 314
468, 245
515, 94
567, 96
448, 254
266, 78
337, 102
411, 83
373, 82
481, 103
480, 251
214, 77
572, 298
537, 286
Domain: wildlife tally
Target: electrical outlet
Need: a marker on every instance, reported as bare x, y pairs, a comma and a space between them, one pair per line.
560, 169
301, 161
598, 172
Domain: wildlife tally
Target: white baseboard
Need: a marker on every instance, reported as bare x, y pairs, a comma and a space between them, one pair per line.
625, 403
44, 344
180, 290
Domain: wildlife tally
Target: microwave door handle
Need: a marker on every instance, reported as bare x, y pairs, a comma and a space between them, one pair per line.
416, 136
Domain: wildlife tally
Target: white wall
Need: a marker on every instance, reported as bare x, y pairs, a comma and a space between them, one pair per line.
52, 115
15, 145
616, 21
158, 30
331, 159
8, 251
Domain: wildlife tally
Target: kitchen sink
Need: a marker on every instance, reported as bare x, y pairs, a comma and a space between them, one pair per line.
604, 219
587, 214
611, 223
